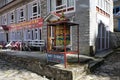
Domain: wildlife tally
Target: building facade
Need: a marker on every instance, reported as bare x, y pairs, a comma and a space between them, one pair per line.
25, 19
116, 12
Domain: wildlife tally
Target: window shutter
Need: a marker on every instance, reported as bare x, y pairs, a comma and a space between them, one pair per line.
5, 19
24, 12
39, 8
8, 18
17, 15
29, 11
14, 16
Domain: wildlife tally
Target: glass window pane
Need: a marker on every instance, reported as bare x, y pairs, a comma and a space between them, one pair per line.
40, 33
34, 9
117, 9
52, 5
58, 2
70, 3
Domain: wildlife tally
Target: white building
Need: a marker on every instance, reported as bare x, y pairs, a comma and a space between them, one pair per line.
95, 18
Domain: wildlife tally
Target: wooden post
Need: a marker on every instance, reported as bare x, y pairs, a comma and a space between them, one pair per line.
47, 38
65, 58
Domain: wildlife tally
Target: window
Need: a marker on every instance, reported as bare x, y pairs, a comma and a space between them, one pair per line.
103, 37
104, 5
11, 17
98, 3
34, 9
28, 36
70, 3
4, 2
8, 1
58, 2
36, 34
107, 6
4, 19
61, 5
12, 35
21, 14
116, 10
40, 31
101, 3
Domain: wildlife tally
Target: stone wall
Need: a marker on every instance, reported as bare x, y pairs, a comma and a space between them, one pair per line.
115, 40
82, 17
36, 66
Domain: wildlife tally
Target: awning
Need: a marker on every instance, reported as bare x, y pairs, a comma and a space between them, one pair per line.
4, 27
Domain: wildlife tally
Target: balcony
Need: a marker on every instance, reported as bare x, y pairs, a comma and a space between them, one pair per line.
10, 4
63, 8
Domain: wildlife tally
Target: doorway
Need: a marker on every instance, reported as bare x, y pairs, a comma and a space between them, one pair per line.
102, 37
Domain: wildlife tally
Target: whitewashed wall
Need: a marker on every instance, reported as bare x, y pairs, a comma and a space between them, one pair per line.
93, 25
95, 18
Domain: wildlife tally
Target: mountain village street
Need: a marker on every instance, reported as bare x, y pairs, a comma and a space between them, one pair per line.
109, 70
59, 39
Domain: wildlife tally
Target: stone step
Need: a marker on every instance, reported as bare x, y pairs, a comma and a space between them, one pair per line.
104, 54
118, 49
76, 69
92, 65
118, 52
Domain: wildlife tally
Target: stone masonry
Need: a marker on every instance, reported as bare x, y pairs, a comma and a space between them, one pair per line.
82, 17
41, 67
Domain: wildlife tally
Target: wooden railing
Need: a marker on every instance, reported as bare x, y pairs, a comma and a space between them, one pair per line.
37, 43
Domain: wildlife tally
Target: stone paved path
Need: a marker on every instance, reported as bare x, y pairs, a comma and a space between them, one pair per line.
110, 70
11, 72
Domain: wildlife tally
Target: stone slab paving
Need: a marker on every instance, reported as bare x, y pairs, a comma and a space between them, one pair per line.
110, 70
10, 72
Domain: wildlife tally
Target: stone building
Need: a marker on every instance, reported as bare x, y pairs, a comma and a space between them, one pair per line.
116, 12
25, 20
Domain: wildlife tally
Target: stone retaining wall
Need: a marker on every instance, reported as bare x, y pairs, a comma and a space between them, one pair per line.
35, 65
115, 39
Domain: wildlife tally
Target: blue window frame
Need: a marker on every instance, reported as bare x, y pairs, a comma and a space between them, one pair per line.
116, 10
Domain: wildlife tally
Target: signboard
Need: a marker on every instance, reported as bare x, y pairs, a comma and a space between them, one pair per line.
31, 24
57, 58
